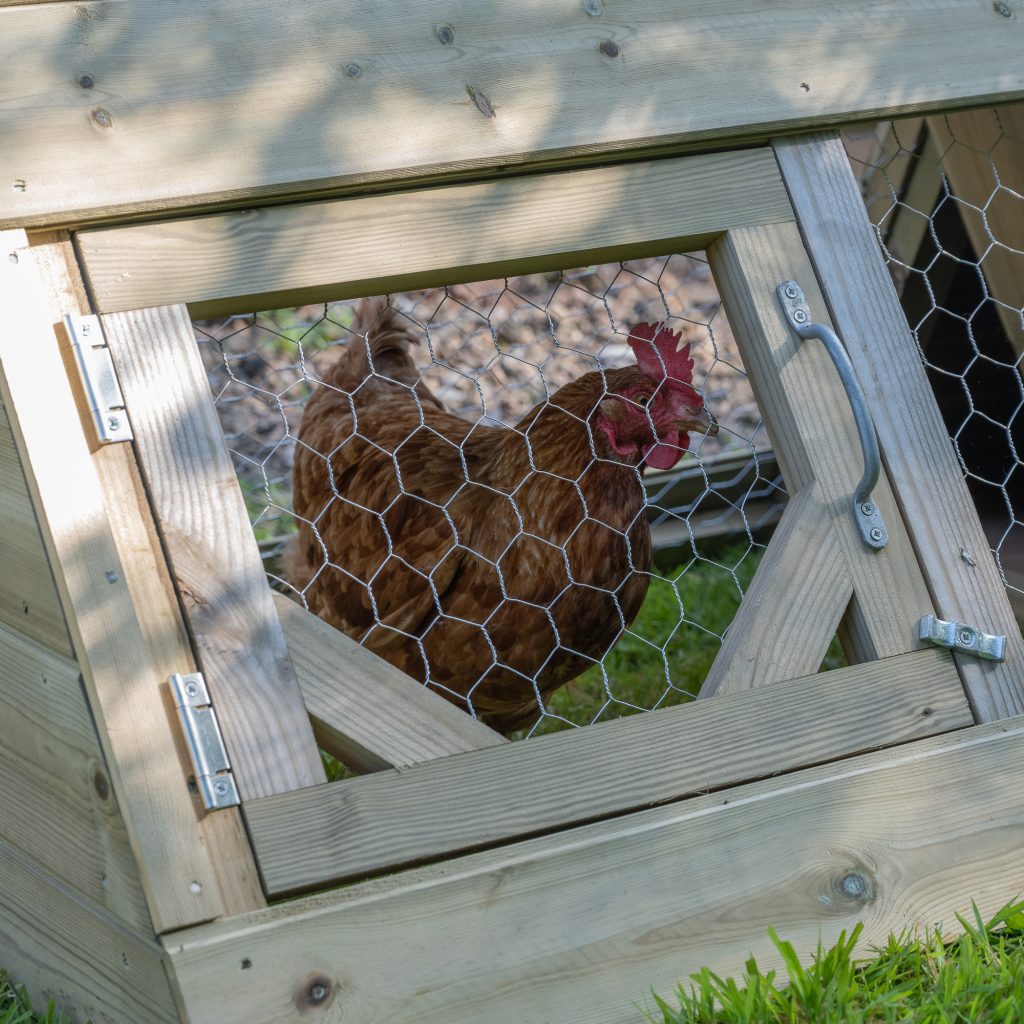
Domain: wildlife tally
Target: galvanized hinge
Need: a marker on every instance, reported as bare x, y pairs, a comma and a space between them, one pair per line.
98, 378
958, 636
213, 775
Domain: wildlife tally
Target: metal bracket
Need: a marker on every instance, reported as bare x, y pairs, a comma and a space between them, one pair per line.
958, 636
205, 744
98, 378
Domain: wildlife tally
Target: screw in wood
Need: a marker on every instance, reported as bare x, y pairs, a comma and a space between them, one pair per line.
799, 316
86, 82
876, 534
867, 509
446, 34
593, 7
102, 117
855, 886
610, 49
1000, 8
353, 70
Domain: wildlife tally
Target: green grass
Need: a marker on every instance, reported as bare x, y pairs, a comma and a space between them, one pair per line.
15, 1007
976, 979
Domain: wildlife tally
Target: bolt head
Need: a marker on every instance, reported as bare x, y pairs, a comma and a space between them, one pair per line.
799, 316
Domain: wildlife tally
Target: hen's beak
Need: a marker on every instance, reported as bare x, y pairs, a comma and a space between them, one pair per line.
702, 422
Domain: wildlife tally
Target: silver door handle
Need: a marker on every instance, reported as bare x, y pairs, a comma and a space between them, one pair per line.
866, 513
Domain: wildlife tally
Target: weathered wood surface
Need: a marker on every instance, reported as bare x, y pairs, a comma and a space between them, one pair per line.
61, 946
381, 821
29, 602
213, 554
576, 928
139, 744
937, 508
364, 711
203, 102
288, 255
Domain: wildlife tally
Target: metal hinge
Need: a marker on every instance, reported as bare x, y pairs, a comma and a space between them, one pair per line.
958, 636
106, 402
213, 775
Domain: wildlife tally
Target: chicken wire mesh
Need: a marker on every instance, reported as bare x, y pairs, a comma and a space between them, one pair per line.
491, 352
946, 196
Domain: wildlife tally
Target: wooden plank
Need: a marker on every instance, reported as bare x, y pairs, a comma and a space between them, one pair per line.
289, 255
365, 711
149, 584
792, 608
358, 826
807, 415
213, 554
578, 927
248, 104
145, 772
60, 946
983, 160
29, 601
59, 808
936, 506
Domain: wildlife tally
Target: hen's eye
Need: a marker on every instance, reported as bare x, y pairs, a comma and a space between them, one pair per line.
643, 401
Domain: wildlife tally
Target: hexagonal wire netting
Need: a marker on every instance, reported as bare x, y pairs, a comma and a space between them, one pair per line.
491, 352
946, 195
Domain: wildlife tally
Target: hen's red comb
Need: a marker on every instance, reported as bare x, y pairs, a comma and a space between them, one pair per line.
651, 341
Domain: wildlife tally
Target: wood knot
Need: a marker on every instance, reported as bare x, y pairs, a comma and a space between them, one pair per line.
483, 104
316, 993
610, 49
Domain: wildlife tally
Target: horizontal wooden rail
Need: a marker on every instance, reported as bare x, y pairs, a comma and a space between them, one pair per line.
357, 826
113, 109
578, 927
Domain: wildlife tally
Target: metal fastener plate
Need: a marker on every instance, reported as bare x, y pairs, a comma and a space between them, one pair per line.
959, 636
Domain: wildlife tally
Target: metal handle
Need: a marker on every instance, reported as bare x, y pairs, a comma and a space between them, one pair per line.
865, 512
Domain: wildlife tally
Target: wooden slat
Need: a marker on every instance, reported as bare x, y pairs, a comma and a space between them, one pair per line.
61, 946
807, 415
212, 551
936, 506
146, 773
364, 711
578, 927
983, 160
264, 259
380, 821
29, 601
223, 101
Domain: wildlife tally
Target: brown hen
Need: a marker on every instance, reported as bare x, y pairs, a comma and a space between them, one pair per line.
494, 563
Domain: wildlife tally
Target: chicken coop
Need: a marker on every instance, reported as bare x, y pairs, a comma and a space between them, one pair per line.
501, 505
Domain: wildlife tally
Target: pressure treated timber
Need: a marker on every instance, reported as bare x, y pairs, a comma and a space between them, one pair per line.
358, 826
578, 927
149, 585
59, 807
209, 102
933, 498
29, 602
365, 711
807, 415
216, 563
145, 771
288, 255
61, 946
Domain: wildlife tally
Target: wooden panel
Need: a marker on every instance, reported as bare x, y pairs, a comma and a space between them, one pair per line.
578, 927
28, 595
807, 414
212, 551
146, 773
364, 711
62, 947
265, 259
221, 101
55, 782
936, 506
380, 821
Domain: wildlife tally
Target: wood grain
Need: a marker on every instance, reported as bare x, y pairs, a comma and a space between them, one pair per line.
578, 927
29, 602
933, 498
213, 554
289, 255
229, 101
364, 711
60, 946
141, 756
381, 821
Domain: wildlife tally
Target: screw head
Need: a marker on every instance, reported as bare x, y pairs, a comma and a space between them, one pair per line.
867, 509
593, 7
192, 689
102, 117
799, 316
114, 422
19, 185
353, 70
855, 886
111, 576
966, 637
446, 34
1000, 8
792, 291
220, 787
86, 82
876, 534
610, 49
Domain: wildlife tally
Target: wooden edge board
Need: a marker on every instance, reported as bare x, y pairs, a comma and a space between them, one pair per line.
366, 712
578, 927
344, 248
381, 821
920, 462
